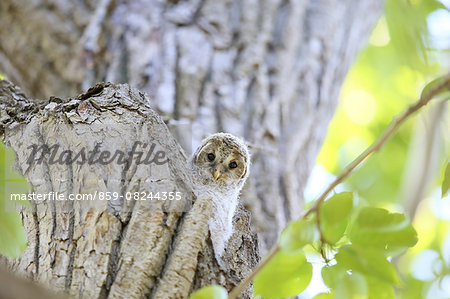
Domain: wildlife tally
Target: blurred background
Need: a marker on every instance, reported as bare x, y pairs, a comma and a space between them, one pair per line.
407, 49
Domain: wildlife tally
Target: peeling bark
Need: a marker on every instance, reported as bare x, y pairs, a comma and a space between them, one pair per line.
269, 71
109, 248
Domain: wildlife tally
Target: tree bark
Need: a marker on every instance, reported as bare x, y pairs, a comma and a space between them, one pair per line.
117, 248
269, 71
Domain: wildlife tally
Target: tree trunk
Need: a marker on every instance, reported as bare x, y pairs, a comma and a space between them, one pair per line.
269, 71
109, 244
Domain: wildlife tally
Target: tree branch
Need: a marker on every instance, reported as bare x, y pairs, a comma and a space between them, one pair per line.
424, 99
133, 246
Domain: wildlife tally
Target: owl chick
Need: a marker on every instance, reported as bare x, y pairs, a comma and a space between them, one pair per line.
220, 166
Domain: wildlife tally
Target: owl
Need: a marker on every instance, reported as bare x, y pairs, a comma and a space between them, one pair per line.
220, 167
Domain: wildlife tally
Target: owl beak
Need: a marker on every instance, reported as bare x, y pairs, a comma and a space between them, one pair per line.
218, 172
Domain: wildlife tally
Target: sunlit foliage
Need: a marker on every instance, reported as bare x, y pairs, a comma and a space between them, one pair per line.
408, 48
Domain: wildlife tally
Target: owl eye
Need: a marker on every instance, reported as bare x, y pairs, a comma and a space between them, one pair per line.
211, 157
232, 165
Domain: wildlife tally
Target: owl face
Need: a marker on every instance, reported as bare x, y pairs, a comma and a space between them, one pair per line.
223, 158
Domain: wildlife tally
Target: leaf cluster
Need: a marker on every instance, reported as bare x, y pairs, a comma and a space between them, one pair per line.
361, 243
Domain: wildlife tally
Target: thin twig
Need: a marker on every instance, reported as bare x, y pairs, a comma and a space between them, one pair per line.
376, 146
323, 240
243, 284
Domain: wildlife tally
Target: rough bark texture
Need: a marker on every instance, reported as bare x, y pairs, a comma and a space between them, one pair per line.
111, 248
269, 71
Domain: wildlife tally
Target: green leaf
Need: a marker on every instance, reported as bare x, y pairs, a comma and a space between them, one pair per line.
210, 292
443, 94
352, 285
379, 289
378, 228
368, 261
334, 216
446, 181
286, 275
332, 275
297, 234
324, 296
414, 288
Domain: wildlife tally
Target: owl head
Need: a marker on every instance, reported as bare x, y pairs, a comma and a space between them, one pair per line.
221, 160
